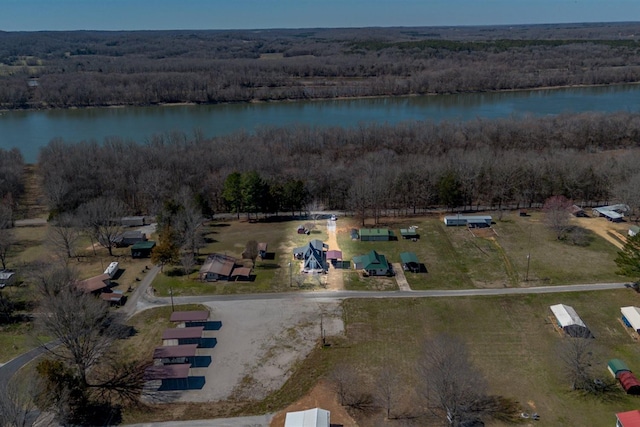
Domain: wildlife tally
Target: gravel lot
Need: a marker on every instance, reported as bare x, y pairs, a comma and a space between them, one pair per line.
258, 344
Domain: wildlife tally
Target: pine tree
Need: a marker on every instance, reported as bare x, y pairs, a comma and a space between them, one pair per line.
628, 259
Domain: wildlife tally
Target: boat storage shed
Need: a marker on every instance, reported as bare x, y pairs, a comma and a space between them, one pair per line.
477, 220
315, 417
569, 321
631, 317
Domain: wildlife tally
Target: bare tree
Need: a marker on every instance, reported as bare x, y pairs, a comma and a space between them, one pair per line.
63, 235
455, 391
387, 388
102, 219
18, 406
251, 251
556, 210
187, 260
577, 359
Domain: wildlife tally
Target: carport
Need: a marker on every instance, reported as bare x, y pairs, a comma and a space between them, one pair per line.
176, 354
174, 377
180, 336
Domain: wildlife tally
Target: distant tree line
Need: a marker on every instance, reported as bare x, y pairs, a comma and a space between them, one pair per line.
67, 69
588, 158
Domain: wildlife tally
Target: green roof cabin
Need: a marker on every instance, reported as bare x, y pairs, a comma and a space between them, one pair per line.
409, 233
142, 249
375, 234
373, 263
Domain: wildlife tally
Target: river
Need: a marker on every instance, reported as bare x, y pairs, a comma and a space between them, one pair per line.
30, 130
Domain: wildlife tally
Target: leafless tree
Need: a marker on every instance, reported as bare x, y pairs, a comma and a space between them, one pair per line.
188, 261
577, 356
51, 279
7, 240
63, 235
388, 388
18, 406
455, 391
556, 211
251, 251
102, 219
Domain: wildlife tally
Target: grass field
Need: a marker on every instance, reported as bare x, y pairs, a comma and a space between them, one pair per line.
511, 339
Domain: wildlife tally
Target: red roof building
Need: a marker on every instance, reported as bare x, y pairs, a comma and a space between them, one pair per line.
628, 419
629, 383
182, 333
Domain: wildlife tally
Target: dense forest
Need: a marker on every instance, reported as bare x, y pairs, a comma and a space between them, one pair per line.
589, 158
92, 68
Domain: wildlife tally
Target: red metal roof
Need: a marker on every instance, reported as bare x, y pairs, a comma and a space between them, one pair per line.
242, 272
629, 382
167, 372
334, 254
182, 333
262, 246
629, 419
189, 316
186, 350
111, 296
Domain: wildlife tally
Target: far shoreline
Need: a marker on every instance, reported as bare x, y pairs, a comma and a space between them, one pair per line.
293, 100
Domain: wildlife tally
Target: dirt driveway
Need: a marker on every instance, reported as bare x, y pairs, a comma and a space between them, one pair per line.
335, 280
612, 232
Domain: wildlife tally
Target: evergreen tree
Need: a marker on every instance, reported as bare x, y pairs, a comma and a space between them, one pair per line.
628, 259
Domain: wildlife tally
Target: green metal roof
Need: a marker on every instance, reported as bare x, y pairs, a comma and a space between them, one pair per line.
617, 365
375, 232
372, 261
149, 244
408, 231
409, 257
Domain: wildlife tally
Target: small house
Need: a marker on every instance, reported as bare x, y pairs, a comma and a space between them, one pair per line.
613, 213
142, 249
314, 255
373, 263
569, 321
310, 418
410, 262
375, 234
217, 267
94, 285
7, 278
577, 211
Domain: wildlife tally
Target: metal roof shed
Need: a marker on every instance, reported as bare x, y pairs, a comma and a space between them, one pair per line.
616, 366
375, 234
167, 372
182, 333
631, 317
315, 417
189, 316
142, 249
569, 321
629, 383
173, 351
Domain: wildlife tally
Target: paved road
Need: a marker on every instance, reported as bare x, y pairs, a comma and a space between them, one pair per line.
257, 421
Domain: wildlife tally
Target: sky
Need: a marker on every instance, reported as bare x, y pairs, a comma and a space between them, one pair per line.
36, 15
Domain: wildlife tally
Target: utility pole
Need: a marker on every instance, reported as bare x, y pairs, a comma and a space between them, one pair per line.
171, 293
290, 276
526, 277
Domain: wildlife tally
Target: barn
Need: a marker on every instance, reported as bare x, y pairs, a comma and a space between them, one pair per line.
315, 417
631, 317
570, 322
614, 213
616, 367
375, 234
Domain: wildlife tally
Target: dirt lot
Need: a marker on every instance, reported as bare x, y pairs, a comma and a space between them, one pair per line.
258, 345
613, 232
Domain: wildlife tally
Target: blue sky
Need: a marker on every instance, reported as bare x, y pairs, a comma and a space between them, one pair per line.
30, 15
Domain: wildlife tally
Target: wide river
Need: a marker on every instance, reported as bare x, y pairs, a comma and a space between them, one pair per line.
30, 130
